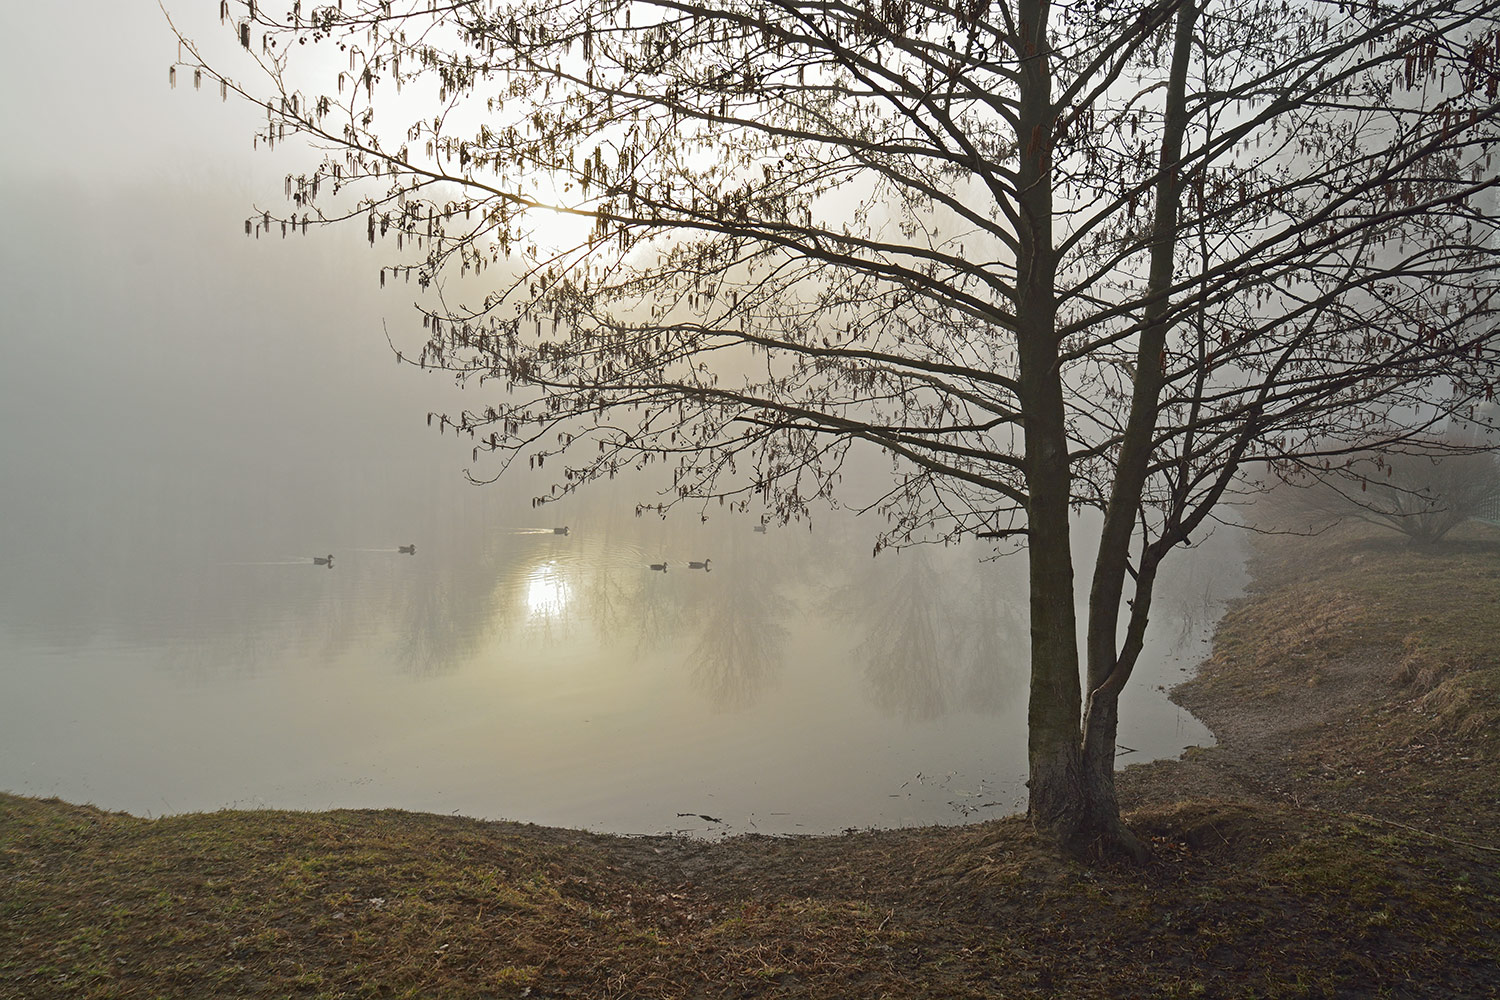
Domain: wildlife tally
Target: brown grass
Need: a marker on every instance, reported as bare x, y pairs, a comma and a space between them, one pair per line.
1366, 594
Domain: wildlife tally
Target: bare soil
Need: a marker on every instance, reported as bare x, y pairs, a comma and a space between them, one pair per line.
1261, 741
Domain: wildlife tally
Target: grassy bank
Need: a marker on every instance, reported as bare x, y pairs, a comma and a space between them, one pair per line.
1336, 843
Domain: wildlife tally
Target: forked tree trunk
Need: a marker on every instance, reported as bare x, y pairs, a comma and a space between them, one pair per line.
1072, 785
1072, 753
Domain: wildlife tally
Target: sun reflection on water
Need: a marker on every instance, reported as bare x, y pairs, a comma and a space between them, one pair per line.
547, 591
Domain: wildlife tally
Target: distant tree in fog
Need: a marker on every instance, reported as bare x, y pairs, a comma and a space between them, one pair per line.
1039, 257
1423, 489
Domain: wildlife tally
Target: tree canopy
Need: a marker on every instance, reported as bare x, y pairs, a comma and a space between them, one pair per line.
1042, 256
1422, 488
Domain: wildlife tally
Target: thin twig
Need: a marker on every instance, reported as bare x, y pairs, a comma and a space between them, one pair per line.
1416, 829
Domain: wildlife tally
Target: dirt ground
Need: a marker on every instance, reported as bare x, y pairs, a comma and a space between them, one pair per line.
1260, 741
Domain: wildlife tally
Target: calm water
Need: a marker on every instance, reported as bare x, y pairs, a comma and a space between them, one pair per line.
506, 671
188, 417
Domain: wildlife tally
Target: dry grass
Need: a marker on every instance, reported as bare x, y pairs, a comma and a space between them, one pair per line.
1243, 901
1380, 660
1358, 592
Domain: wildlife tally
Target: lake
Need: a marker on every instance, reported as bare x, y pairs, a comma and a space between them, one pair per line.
188, 417
505, 670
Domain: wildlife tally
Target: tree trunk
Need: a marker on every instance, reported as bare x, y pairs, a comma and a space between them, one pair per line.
1057, 802
1109, 666
1072, 754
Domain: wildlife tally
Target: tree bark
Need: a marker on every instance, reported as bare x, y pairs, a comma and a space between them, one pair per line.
1072, 788
1057, 800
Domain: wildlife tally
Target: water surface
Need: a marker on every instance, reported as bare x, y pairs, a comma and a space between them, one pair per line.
507, 671
188, 417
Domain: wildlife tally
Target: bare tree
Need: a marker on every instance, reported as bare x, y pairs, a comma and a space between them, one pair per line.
1422, 488
1041, 256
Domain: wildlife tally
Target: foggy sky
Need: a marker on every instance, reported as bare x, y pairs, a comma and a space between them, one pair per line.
158, 368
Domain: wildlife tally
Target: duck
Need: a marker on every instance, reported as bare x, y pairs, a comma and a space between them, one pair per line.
660, 567
700, 565
560, 531
324, 560
407, 550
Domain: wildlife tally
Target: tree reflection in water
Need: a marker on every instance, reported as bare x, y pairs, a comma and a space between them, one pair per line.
445, 608
938, 633
742, 641
658, 610
992, 626
601, 593
905, 630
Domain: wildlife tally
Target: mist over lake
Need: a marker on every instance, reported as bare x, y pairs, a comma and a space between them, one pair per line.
505, 670
189, 417
185, 437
